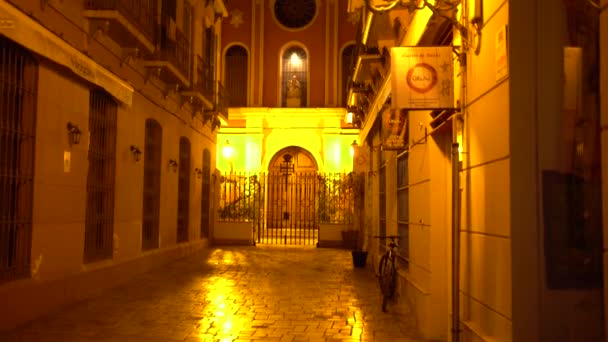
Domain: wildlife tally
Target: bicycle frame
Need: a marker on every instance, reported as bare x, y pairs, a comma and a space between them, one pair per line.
387, 270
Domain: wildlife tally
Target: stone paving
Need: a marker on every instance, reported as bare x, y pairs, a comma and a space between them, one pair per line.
263, 293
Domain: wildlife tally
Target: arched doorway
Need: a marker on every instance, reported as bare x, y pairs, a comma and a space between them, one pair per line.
291, 201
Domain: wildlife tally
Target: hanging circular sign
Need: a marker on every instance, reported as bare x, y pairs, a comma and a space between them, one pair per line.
421, 78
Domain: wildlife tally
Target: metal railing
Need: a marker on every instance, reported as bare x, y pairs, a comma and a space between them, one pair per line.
287, 207
19, 84
222, 100
204, 77
174, 47
101, 178
139, 12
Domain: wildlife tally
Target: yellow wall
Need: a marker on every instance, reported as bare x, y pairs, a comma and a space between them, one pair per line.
486, 195
59, 275
265, 131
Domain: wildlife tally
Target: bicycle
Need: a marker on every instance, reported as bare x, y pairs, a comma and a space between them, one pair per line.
387, 270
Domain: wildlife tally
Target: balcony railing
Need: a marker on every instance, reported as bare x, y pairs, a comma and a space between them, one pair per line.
222, 101
140, 13
204, 77
174, 47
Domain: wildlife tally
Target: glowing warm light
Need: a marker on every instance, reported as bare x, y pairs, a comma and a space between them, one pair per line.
295, 59
228, 150
349, 117
228, 326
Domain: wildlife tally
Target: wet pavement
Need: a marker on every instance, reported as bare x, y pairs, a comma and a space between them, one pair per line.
263, 293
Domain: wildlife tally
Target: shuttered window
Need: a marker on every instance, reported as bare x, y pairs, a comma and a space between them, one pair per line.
348, 66
152, 172
206, 194
236, 75
183, 190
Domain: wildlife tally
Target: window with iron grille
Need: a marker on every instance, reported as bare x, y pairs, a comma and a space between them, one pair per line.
382, 199
152, 172
294, 79
210, 47
99, 220
382, 191
236, 62
402, 205
183, 190
206, 194
18, 99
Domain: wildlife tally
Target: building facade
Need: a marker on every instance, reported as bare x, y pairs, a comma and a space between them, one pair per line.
109, 113
505, 180
286, 66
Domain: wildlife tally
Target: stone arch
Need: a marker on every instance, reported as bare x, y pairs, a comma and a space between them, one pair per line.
301, 158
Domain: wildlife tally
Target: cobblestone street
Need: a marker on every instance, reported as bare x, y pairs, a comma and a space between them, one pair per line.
264, 293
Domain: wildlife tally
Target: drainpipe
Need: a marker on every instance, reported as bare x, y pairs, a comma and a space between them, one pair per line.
455, 236
456, 125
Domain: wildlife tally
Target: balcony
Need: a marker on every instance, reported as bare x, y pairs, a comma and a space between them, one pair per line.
201, 93
222, 102
171, 61
130, 23
218, 115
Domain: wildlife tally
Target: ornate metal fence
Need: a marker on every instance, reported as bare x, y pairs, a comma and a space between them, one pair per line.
286, 208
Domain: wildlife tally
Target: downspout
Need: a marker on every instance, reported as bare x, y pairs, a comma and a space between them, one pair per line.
458, 124
455, 234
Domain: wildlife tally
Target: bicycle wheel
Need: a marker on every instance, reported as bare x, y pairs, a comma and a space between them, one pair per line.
386, 270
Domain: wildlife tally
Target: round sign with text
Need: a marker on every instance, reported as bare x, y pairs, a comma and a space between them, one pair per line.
421, 78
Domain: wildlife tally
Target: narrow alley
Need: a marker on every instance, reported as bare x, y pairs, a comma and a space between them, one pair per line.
263, 293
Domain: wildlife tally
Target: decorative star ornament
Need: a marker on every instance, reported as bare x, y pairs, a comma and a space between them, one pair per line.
236, 18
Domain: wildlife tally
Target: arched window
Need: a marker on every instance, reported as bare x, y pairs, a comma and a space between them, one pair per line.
236, 62
152, 163
206, 194
183, 190
348, 66
294, 77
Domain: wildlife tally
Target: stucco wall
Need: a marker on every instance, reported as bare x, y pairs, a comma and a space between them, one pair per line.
485, 291
59, 275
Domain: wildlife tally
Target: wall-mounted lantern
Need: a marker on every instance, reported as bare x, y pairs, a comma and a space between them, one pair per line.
353, 148
136, 153
228, 150
74, 134
173, 165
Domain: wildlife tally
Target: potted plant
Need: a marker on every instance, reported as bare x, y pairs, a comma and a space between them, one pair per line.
358, 253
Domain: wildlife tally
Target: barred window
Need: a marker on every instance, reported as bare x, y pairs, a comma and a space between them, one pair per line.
18, 99
151, 200
99, 221
236, 62
206, 194
183, 190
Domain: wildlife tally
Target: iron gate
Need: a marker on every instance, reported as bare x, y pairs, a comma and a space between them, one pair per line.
286, 208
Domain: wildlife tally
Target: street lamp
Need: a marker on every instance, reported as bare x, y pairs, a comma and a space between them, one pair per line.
228, 150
